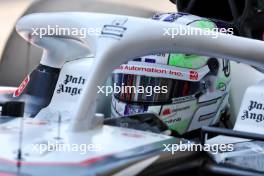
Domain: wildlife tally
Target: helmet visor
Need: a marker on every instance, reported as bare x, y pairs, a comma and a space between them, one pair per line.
153, 90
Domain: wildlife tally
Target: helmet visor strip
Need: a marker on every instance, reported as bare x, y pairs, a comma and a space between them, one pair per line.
152, 90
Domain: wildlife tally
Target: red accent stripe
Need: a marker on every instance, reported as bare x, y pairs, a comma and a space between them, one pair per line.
83, 163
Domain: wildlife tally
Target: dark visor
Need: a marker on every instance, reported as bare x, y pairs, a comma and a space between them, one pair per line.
156, 90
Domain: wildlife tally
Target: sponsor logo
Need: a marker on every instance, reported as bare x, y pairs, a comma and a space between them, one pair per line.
221, 86
248, 114
194, 75
169, 111
166, 112
173, 120
134, 109
116, 29
143, 69
183, 99
71, 85
22, 87
226, 67
150, 70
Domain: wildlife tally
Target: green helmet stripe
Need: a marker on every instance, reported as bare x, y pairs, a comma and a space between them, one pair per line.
187, 61
192, 61
205, 24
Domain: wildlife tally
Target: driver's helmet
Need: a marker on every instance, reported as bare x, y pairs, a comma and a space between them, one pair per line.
186, 91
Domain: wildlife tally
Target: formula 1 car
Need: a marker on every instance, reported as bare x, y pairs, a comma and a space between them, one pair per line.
66, 135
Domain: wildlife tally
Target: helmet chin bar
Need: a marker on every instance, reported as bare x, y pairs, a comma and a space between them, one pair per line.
137, 37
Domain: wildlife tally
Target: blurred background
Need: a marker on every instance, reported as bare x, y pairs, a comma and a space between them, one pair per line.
10, 11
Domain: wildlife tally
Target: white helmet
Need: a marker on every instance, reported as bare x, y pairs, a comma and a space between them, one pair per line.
186, 91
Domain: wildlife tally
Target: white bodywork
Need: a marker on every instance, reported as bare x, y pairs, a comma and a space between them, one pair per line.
40, 135
250, 119
251, 116
124, 38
